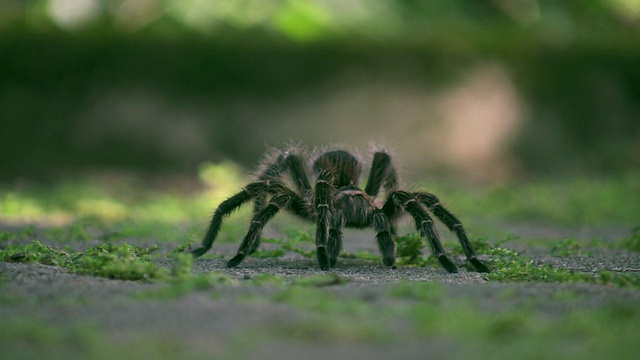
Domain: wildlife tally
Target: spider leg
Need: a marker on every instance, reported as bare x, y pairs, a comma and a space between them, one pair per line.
424, 224
334, 245
382, 174
225, 208
251, 241
322, 206
272, 172
384, 237
451, 221
287, 161
297, 171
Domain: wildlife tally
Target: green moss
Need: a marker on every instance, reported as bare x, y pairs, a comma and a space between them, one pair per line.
123, 262
267, 279
427, 312
30, 339
181, 285
319, 280
178, 287
35, 339
509, 265
318, 300
36, 253
420, 291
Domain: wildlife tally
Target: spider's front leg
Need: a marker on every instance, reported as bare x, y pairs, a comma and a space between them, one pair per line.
334, 245
227, 207
322, 206
384, 238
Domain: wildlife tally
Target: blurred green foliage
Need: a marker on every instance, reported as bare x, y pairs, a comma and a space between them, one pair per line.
575, 64
129, 207
312, 20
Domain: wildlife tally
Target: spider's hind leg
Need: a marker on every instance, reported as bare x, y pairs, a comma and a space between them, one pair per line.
382, 173
433, 204
424, 224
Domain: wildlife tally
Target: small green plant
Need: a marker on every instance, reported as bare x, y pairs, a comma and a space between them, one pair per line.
567, 247
183, 247
182, 266
632, 243
410, 249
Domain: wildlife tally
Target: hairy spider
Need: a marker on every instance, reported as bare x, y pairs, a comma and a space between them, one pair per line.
335, 201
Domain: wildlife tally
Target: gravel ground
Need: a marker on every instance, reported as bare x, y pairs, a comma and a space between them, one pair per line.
221, 323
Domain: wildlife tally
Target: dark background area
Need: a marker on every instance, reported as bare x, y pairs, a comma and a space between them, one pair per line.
487, 91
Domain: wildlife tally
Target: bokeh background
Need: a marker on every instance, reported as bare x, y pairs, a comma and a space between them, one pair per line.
483, 91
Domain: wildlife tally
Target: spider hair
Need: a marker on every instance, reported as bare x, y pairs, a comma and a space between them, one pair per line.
333, 200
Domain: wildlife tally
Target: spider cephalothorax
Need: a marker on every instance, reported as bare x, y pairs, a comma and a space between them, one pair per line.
333, 201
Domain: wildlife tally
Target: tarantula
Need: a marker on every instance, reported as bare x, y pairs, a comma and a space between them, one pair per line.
335, 201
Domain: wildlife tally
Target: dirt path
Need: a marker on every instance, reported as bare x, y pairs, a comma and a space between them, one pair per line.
369, 312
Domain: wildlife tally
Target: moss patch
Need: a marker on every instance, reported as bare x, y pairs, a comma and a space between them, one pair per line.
124, 262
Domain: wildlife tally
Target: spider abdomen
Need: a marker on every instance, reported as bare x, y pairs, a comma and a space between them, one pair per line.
343, 166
